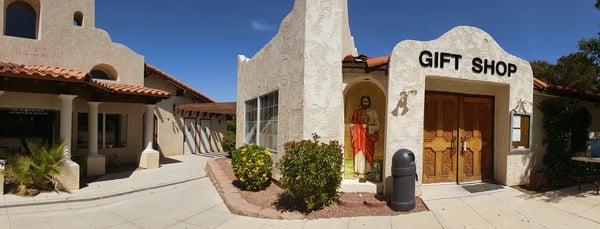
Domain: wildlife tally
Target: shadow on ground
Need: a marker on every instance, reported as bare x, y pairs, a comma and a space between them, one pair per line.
555, 196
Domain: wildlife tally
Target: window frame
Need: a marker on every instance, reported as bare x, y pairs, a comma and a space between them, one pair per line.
520, 145
78, 19
259, 120
246, 140
102, 131
34, 6
260, 108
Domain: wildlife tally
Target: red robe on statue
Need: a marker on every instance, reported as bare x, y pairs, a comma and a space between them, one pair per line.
361, 140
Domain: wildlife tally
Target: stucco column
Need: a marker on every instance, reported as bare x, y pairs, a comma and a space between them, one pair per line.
69, 174
95, 162
1, 168
150, 157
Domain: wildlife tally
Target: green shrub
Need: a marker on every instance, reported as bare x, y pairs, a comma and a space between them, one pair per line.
312, 172
252, 166
36, 171
566, 124
228, 142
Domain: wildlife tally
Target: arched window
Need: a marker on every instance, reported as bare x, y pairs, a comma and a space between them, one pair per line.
99, 74
103, 72
78, 19
21, 20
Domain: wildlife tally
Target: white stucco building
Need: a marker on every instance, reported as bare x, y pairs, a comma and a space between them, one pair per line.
64, 80
461, 103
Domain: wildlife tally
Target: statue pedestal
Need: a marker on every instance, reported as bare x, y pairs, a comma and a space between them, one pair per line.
356, 186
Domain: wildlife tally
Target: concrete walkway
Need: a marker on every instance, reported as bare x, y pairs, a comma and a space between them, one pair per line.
172, 170
196, 204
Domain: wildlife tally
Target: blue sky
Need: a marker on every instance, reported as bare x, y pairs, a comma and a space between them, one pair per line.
198, 41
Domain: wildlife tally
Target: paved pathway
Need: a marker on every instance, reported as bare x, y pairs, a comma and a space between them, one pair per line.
196, 204
172, 170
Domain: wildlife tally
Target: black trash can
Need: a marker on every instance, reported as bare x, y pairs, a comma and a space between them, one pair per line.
404, 176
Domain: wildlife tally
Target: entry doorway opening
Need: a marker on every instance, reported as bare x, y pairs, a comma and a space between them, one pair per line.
458, 138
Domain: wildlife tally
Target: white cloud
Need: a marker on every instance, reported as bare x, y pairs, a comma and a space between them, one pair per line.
260, 26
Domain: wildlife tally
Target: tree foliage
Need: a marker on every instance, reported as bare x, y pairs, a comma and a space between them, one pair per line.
576, 70
566, 123
580, 70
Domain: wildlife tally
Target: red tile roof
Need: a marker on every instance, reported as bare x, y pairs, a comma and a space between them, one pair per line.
371, 62
130, 89
40, 72
565, 91
60, 74
177, 83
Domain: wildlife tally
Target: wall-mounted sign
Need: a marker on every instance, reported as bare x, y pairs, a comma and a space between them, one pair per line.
479, 65
27, 111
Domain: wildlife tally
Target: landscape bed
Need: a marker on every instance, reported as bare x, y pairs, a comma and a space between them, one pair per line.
274, 198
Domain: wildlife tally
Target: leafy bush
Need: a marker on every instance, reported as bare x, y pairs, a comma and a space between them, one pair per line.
36, 171
252, 166
312, 172
566, 124
228, 142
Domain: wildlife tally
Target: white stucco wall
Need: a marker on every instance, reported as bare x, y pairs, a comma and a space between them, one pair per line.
406, 74
303, 62
170, 130
170, 127
60, 43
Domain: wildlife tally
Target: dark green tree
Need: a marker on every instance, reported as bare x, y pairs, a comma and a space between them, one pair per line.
544, 71
575, 70
580, 70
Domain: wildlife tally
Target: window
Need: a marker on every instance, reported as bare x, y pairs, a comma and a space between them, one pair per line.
521, 131
78, 19
112, 131
21, 20
261, 121
115, 131
99, 74
103, 72
268, 120
250, 127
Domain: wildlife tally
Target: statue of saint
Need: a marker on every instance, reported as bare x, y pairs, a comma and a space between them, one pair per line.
363, 130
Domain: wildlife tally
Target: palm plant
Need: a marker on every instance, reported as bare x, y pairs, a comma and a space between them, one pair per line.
38, 170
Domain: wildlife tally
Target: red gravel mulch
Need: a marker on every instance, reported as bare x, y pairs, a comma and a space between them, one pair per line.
353, 204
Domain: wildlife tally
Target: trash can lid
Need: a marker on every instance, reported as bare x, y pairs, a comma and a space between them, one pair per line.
403, 158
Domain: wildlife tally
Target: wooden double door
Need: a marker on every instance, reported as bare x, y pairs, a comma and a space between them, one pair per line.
458, 138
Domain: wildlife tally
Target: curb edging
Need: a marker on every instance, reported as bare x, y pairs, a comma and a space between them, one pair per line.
234, 200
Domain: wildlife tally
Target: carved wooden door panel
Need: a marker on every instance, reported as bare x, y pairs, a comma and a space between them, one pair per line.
440, 135
476, 118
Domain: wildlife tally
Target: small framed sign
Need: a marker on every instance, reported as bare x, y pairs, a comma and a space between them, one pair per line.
521, 130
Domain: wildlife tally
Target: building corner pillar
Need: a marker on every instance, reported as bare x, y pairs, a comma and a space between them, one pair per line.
96, 163
68, 178
150, 157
